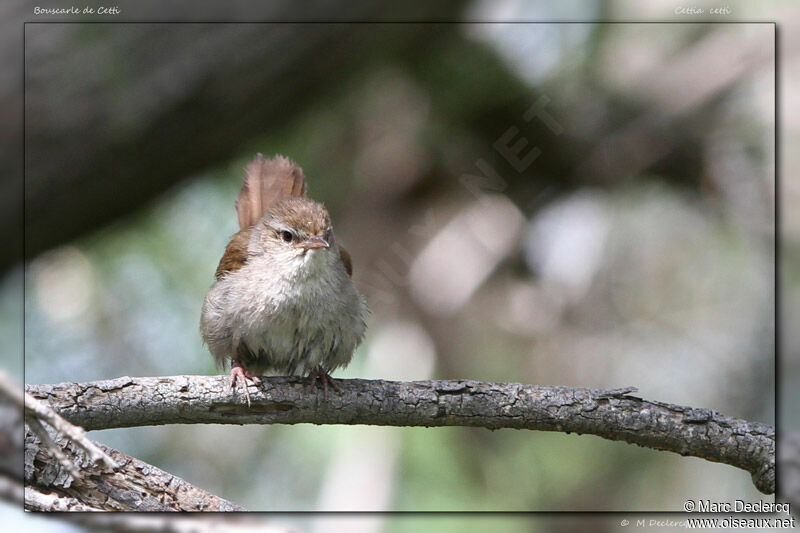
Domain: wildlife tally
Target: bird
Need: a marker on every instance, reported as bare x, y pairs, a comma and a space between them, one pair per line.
283, 300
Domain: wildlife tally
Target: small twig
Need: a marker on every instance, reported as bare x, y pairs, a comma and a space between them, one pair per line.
36, 410
51, 446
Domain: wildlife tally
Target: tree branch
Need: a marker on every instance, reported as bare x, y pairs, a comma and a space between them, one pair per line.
85, 476
611, 414
132, 481
38, 412
133, 486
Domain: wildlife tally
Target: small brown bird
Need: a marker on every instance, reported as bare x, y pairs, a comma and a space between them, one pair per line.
283, 300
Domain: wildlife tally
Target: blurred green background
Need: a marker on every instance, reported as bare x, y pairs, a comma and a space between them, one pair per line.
634, 247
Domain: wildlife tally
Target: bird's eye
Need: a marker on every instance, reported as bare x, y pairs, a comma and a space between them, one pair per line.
287, 236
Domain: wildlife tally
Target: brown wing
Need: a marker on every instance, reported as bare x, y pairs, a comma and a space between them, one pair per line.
348, 263
235, 254
266, 182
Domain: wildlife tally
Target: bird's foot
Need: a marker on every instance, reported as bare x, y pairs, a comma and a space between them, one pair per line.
240, 375
318, 374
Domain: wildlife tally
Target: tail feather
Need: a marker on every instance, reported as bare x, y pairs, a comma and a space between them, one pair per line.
267, 182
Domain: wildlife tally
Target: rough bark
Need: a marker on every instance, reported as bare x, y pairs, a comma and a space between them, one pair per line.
65, 471
39, 413
611, 414
133, 486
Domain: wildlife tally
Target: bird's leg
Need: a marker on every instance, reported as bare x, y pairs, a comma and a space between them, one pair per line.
319, 374
241, 375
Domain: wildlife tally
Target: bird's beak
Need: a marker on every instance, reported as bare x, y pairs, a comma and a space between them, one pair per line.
313, 243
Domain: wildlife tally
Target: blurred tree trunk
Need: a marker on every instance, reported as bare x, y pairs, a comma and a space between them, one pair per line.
116, 114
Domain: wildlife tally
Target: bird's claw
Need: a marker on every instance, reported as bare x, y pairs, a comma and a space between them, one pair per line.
240, 375
318, 374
